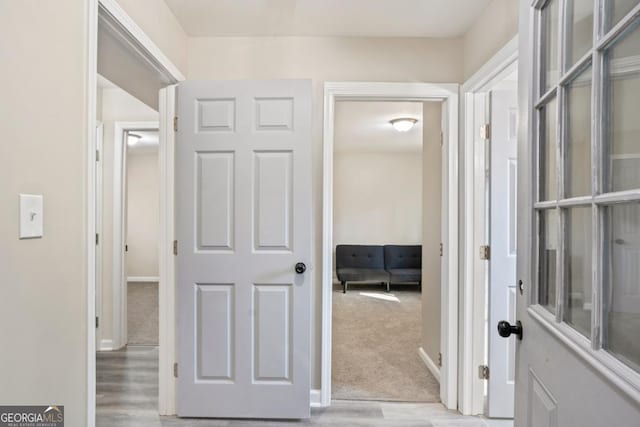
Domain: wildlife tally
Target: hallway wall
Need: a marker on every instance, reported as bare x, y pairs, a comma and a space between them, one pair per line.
497, 24
43, 292
143, 218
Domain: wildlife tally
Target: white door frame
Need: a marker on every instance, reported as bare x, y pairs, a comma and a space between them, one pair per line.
150, 53
473, 304
119, 274
361, 91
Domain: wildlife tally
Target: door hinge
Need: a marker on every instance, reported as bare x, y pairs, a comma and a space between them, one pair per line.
97, 238
441, 249
485, 252
485, 131
440, 360
483, 372
441, 139
97, 322
97, 155
175, 124
175, 370
175, 247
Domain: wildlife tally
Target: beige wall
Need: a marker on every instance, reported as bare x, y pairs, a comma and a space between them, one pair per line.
432, 232
377, 198
117, 105
497, 24
43, 293
158, 22
324, 59
143, 190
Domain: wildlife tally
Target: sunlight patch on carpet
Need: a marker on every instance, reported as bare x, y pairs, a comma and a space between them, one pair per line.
386, 297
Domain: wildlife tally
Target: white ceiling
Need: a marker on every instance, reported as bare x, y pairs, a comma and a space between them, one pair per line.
365, 18
364, 127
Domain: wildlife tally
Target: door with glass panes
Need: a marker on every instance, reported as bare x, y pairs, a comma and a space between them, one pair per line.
578, 303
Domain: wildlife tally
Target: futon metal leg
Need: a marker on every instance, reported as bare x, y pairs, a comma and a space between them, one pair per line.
388, 286
344, 287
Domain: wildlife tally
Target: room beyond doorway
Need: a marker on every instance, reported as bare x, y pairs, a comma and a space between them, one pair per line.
387, 210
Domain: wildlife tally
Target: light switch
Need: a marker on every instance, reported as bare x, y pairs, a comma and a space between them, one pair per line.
31, 216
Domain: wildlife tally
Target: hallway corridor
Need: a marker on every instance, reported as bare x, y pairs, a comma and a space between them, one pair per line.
127, 396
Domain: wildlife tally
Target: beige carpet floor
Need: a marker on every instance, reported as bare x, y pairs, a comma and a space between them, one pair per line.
376, 337
142, 313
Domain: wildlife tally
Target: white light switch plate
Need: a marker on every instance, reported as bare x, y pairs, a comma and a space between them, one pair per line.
31, 216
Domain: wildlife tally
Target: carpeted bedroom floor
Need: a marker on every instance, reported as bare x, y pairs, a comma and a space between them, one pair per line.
142, 313
376, 336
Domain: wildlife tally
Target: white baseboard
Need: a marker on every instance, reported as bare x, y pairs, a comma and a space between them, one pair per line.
316, 399
431, 366
106, 345
143, 279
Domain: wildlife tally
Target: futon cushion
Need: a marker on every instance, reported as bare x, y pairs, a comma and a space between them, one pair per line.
360, 256
362, 275
405, 275
402, 256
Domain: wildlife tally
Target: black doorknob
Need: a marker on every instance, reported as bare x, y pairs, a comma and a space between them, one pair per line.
301, 268
505, 329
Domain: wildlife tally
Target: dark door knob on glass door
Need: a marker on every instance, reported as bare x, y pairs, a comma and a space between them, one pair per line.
505, 329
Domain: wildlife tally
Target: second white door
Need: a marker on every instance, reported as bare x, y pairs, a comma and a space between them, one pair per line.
243, 217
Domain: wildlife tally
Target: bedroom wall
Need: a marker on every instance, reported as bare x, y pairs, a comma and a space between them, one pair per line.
143, 176
377, 198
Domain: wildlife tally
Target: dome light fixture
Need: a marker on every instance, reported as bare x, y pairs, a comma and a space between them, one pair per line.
403, 124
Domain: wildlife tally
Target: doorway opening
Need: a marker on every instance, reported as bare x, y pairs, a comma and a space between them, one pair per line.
386, 236
141, 247
352, 229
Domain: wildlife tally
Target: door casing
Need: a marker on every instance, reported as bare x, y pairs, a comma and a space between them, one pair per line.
473, 286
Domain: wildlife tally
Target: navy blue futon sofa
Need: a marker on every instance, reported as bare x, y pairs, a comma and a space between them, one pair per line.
376, 263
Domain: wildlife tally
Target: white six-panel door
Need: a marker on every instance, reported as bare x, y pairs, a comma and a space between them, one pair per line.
243, 220
502, 264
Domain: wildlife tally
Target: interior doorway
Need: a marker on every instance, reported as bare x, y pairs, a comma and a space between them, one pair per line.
387, 189
142, 230
445, 96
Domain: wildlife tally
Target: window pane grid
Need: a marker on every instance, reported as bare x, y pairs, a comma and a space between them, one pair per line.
598, 208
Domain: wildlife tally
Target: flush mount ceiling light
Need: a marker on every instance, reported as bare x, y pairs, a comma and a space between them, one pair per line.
403, 124
133, 138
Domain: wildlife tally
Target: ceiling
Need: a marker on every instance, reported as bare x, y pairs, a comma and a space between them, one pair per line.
362, 18
364, 127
